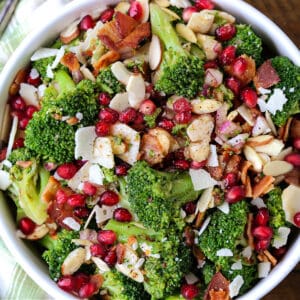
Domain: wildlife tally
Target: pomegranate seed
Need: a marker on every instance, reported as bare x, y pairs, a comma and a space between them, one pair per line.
122, 215
98, 250
187, 13
87, 290
297, 219
104, 99
204, 4
262, 217
111, 258
189, 291
190, 207
239, 66
61, 196
296, 143
183, 117
198, 164
3, 154
76, 200
128, 115
179, 154
80, 279
17, 113
211, 64
181, 164
18, 143
23, 123
18, 103
147, 107
262, 232
182, 105
102, 128
279, 253
109, 115
230, 179
249, 97
86, 23
121, 170
66, 283
89, 189
262, 245
26, 225
233, 84
293, 158
67, 170
34, 80
81, 212
107, 237
107, 15
227, 56
109, 198
136, 10
166, 124
30, 110
235, 194
225, 32
139, 119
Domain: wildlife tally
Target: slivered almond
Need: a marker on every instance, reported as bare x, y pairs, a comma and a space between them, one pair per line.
265, 158
245, 167
249, 230
248, 188
272, 149
259, 140
277, 167
283, 132
73, 261
262, 186
270, 122
252, 156
271, 258
186, 32
283, 154
70, 33
121, 72
262, 257
155, 52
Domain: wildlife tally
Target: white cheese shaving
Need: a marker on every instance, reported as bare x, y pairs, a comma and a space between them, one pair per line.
41, 90
72, 223
43, 53
204, 200
235, 285
191, 278
182, 213
275, 102
237, 265
264, 269
180, 3
49, 72
82, 175
101, 265
224, 207
247, 252
281, 237
224, 252
201, 179
204, 225
96, 175
258, 202
213, 157
79, 116
12, 135
5, 181
238, 139
261, 126
104, 213
29, 93
263, 91
103, 152
34, 73
59, 56
119, 102
139, 263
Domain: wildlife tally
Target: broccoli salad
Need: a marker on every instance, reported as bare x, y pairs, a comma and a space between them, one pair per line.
154, 153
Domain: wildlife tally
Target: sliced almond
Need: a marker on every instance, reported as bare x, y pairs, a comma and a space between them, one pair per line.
50, 190
252, 156
272, 149
226, 16
245, 113
245, 167
291, 202
283, 154
29, 93
204, 200
87, 74
122, 7
145, 9
205, 106
270, 122
120, 102
134, 274
262, 186
201, 22
70, 33
5, 123
260, 140
38, 233
136, 90
101, 265
277, 167
186, 32
121, 72
155, 52
286, 130
265, 158
232, 115
73, 261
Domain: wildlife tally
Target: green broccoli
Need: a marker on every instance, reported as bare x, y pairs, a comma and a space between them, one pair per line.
247, 42
150, 120
58, 248
156, 197
121, 287
180, 72
208, 271
27, 186
21, 154
224, 93
289, 75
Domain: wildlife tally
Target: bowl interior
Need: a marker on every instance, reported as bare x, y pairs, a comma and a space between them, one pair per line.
31, 263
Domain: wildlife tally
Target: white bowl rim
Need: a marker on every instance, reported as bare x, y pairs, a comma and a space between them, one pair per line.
20, 251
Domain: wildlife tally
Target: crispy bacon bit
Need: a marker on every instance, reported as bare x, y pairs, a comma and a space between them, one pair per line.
244, 170
70, 61
109, 34
233, 164
271, 258
295, 129
120, 250
20, 77
262, 186
105, 60
266, 76
215, 172
125, 24
189, 236
50, 190
217, 283
249, 231
248, 188
218, 295
97, 280
198, 254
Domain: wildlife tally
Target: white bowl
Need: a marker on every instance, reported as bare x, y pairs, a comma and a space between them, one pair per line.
31, 262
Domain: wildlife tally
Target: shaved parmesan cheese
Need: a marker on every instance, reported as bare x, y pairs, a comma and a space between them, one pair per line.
96, 175
59, 56
201, 179
224, 207
84, 143
5, 181
224, 252
204, 200
213, 157
29, 93
291, 202
80, 177
235, 286
49, 72
90, 217
72, 223
12, 135
180, 3
103, 152
263, 91
261, 126
119, 102
237, 265
139, 263
281, 237
204, 225
247, 252
87, 74
276, 101
264, 269
258, 202
191, 278
43, 53
41, 90
101, 265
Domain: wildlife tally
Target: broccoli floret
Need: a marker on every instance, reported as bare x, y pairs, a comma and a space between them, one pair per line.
289, 75
151, 119
156, 196
247, 42
224, 231
109, 175
108, 83
225, 94
180, 72
208, 271
121, 287
21, 154
27, 186
58, 250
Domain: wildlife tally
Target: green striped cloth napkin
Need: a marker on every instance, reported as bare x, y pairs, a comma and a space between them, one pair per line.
15, 284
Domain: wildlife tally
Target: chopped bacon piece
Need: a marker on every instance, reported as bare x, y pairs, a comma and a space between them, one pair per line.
50, 190
233, 164
218, 295
120, 250
109, 32
70, 61
125, 24
105, 60
217, 283
262, 186
215, 172
266, 76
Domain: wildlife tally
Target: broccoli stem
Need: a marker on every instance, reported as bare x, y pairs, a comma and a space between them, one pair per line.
64, 81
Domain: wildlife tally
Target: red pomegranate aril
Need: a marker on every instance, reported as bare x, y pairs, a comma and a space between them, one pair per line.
66, 283
230, 179
34, 81
262, 217
111, 257
122, 215
166, 124
182, 105
26, 225
98, 250
3, 154
296, 143
262, 232
211, 64
227, 56
104, 99
190, 207
187, 13
136, 10
30, 110
121, 170
279, 253
18, 143
80, 279
81, 212
233, 84
107, 15
102, 128
239, 66
109, 198
23, 123
204, 4
18, 113
147, 107
107, 237
89, 189
86, 23
249, 97
297, 219
183, 117
189, 291
76, 200
235, 194
225, 32
261, 245
108, 115
18, 103
66, 171
61, 196
139, 119
181, 164
293, 158
87, 290
197, 164
128, 115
